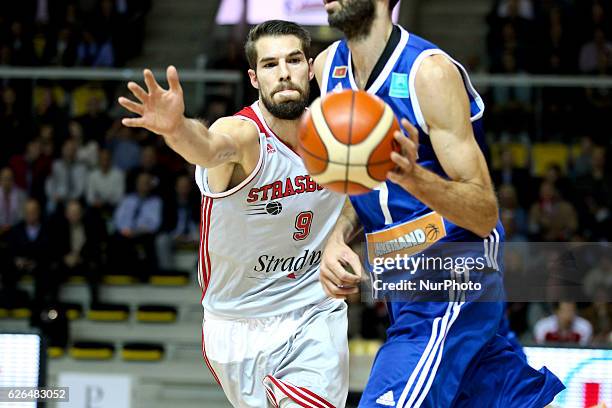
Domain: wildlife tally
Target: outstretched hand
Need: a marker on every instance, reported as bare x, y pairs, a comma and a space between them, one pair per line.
161, 111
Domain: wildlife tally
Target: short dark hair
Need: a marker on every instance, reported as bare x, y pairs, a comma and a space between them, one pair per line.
275, 28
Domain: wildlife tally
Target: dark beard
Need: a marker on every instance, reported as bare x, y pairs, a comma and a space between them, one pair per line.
289, 110
354, 18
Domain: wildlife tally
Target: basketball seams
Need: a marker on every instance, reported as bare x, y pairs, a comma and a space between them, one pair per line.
336, 150
357, 142
350, 139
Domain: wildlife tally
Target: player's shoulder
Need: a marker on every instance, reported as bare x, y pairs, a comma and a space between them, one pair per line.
319, 64
436, 69
236, 126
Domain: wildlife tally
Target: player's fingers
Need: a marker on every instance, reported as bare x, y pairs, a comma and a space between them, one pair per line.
345, 278
330, 290
405, 143
402, 162
338, 293
173, 79
355, 263
152, 84
138, 91
413, 132
327, 275
346, 268
131, 105
133, 122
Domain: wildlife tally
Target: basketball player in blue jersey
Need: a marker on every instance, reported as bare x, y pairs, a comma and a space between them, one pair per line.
450, 352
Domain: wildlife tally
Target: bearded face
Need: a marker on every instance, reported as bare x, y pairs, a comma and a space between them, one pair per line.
353, 17
287, 100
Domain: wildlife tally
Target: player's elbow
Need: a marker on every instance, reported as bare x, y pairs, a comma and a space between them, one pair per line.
487, 220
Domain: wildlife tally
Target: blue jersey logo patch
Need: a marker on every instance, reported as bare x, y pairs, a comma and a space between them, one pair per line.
399, 86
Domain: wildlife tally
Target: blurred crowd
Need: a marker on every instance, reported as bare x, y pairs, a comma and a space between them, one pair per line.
81, 195
87, 33
555, 37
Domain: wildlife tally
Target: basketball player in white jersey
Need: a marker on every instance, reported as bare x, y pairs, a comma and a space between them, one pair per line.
271, 337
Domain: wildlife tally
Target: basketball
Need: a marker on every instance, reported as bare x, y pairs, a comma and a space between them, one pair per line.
346, 140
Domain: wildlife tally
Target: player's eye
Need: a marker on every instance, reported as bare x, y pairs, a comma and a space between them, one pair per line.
270, 65
295, 60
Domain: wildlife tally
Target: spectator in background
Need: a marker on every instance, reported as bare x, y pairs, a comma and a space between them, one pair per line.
61, 49
123, 146
582, 163
12, 200
512, 175
87, 151
31, 169
599, 277
551, 218
520, 8
106, 184
20, 45
79, 243
67, 179
93, 53
510, 34
558, 49
137, 219
554, 175
181, 215
594, 197
29, 245
595, 51
599, 313
149, 164
95, 121
12, 124
564, 326
510, 209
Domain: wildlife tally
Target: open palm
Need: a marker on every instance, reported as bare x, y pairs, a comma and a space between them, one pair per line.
161, 111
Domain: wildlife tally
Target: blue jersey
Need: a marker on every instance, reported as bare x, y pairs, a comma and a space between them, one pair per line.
396, 222
453, 352
391, 205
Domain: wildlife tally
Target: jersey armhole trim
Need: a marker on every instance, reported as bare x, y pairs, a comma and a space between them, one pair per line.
466, 81
328, 63
203, 174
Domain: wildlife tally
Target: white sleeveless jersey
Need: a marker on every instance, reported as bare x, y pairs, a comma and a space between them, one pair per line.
261, 241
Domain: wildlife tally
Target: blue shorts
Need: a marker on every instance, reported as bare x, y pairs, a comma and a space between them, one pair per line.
452, 355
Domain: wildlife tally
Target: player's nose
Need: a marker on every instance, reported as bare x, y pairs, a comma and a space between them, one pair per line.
283, 69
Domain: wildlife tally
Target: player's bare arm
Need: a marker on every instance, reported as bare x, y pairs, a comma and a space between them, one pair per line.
336, 280
162, 111
468, 198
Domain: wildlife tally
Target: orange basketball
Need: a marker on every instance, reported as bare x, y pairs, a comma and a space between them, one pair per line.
346, 140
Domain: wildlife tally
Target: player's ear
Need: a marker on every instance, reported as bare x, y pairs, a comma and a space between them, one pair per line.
253, 78
311, 72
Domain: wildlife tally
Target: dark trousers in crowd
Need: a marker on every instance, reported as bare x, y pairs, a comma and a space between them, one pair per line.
133, 256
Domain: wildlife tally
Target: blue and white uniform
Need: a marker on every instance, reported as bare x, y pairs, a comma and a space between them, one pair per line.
449, 352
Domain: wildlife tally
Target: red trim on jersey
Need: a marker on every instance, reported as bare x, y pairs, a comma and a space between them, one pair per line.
271, 396
249, 113
207, 204
207, 240
317, 397
270, 132
201, 265
287, 145
298, 396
